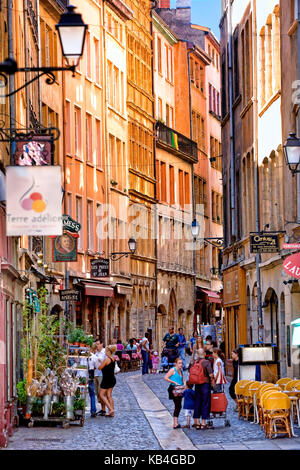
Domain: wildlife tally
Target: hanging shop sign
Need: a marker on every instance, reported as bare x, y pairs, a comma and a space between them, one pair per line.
64, 248
33, 200
100, 267
34, 150
291, 246
70, 224
69, 295
264, 243
291, 265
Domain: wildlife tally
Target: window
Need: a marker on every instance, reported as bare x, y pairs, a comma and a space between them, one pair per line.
186, 188
181, 188
98, 149
79, 220
168, 115
97, 72
88, 68
159, 54
172, 185
90, 226
163, 193
88, 142
99, 228
224, 85
159, 111
68, 127
77, 131
69, 204
158, 179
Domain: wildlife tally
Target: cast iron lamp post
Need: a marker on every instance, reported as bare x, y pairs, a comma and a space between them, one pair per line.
115, 256
292, 153
72, 32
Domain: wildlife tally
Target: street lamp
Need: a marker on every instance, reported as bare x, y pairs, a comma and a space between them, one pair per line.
292, 153
116, 255
72, 31
195, 229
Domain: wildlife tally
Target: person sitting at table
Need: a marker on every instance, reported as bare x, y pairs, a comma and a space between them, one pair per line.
131, 346
119, 345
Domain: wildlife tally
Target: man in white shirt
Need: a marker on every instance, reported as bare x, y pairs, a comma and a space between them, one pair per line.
100, 355
145, 349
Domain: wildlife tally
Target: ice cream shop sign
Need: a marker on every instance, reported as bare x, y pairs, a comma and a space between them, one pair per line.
292, 265
33, 199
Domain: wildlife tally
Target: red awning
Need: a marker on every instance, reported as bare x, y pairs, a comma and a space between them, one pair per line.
213, 297
98, 290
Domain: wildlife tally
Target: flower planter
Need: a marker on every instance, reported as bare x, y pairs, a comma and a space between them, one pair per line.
47, 405
69, 403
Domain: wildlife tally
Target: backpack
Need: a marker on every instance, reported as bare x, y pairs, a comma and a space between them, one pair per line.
197, 375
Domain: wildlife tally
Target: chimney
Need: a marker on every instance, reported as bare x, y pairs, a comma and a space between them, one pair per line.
184, 10
164, 4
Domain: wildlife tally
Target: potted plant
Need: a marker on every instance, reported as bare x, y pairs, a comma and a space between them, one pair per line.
79, 406
82, 381
58, 409
37, 407
22, 398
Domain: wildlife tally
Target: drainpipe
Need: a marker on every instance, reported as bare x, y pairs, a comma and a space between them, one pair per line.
155, 185
193, 199
232, 152
256, 167
12, 99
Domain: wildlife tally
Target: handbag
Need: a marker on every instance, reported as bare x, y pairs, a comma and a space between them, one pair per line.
117, 368
178, 390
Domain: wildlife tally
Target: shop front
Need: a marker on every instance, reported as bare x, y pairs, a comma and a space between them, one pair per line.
207, 309
234, 297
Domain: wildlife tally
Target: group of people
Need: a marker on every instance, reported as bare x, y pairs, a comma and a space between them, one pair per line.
197, 398
101, 369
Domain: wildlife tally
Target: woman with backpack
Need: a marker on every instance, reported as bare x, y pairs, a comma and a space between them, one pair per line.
175, 377
201, 374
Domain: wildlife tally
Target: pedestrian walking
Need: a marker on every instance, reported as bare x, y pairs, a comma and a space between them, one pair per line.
145, 349
171, 341
193, 341
198, 344
92, 365
99, 358
189, 403
176, 388
181, 347
219, 372
109, 380
205, 377
235, 363
150, 365
155, 362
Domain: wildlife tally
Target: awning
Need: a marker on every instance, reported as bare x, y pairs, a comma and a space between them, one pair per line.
98, 290
213, 297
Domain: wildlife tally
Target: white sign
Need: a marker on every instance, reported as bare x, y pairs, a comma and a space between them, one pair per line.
33, 200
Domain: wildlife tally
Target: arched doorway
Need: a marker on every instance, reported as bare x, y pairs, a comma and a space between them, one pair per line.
254, 314
161, 326
249, 318
271, 320
181, 319
172, 310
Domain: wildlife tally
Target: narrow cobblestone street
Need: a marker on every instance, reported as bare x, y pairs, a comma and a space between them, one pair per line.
144, 421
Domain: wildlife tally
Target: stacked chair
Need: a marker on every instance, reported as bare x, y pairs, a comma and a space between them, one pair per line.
271, 404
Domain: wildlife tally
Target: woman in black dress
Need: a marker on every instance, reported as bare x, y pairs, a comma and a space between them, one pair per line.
235, 363
108, 379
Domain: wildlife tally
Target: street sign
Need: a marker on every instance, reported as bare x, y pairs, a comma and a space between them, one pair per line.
100, 267
70, 224
69, 295
264, 243
64, 248
291, 265
291, 246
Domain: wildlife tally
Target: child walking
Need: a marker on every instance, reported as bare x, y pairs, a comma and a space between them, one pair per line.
189, 403
155, 362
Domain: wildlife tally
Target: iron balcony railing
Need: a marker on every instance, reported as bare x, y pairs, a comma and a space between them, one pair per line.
177, 141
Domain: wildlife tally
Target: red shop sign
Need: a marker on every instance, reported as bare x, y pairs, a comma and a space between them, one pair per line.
292, 265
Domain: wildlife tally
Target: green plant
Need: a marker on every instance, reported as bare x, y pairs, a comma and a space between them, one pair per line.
58, 409
79, 404
37, 407
89, 340
82, 380
21, 391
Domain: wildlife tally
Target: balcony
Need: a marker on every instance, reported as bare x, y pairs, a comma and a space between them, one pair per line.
180, 145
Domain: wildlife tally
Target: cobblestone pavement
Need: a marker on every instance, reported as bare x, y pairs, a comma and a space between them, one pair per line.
240, 435
131, 430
